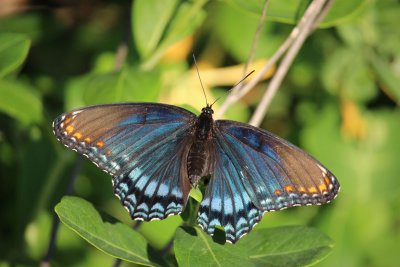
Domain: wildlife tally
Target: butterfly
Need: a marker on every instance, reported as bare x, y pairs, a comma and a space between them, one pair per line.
156, 153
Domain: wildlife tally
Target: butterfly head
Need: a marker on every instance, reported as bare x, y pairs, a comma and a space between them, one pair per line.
207, 111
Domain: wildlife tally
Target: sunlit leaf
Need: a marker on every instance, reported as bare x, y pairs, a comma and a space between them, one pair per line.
149, 20
193, 247
126, 85
290, 11
187, 19
282, 246
286, 246
235, 36
117, 240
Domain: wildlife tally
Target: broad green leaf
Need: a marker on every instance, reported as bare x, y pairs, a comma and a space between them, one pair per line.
386, 76
117, 240
150, 18
187, 19
290, 11
237, 35
20, 102
127, 85
347, 74
193, 247
343, 11
13, 51
286, 246
29, 24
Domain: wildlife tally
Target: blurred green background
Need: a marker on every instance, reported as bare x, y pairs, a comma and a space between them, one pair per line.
340, 102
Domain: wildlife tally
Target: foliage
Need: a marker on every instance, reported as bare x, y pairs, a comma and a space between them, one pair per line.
339, 102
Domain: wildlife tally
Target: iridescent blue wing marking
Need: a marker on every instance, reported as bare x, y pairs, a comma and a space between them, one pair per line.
144, 147
226, 202
256, 172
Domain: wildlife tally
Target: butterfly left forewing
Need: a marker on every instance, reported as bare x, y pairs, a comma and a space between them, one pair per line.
142, 145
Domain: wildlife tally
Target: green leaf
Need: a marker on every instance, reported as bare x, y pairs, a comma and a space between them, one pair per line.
347, 74
343, 11
235, 35
290, 11
117, 240
193, 247
29, 24
196, 194
13, 51
386, 76
286, 246
149, 20
188, 18
20, 102
129, 84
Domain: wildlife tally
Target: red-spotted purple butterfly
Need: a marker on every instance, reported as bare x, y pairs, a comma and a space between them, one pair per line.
156, 153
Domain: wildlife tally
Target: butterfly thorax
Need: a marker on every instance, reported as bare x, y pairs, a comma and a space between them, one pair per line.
198, 158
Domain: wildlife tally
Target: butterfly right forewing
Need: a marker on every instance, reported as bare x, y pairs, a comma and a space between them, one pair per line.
275, 173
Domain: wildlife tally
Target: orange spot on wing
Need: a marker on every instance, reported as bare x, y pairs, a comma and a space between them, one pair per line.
327, 180
69, 129
100, 144
109, 153
87, 140
312, 189
77, 135
278, 192
322, 187
289, 188
302, 189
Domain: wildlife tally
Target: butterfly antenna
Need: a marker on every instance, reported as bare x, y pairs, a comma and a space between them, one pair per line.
214, 102
244, 78
198, 74
239, 83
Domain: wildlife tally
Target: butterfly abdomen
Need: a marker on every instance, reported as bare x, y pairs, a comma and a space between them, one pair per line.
198, 161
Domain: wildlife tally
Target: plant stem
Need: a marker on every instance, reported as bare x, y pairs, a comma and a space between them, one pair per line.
56, 221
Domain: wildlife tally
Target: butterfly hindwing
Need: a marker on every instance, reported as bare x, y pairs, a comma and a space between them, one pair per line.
255, 172
144, 146
226, 202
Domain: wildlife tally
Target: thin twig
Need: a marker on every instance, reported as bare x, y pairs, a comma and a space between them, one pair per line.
255, 39
123, 47
121, 55
237, 89
56, 221
306, 25
235, 95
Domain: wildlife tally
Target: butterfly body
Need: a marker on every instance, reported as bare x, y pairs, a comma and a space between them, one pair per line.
156, 153
199, 162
